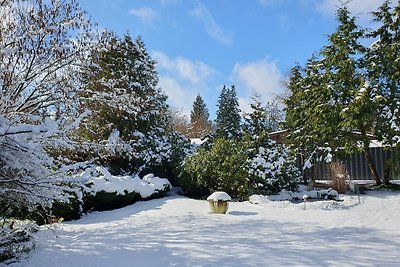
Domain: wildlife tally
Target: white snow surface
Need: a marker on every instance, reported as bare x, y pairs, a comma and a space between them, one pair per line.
119, 184
219, 195
178, 231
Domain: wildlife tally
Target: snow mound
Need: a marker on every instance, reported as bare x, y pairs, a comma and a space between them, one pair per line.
312, 194
121, 184
219, 195
342, 202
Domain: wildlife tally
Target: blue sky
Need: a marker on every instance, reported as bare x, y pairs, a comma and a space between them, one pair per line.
200, 45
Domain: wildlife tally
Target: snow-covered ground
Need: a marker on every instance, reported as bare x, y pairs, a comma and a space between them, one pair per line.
177, 231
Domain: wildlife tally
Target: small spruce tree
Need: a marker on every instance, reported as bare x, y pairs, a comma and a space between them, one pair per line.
228, 114
200, 126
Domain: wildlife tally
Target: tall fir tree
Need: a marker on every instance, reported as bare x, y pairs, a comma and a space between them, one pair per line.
383, 65
263, 118
122, 90
200, 125
334, 97
129, 128
228, 121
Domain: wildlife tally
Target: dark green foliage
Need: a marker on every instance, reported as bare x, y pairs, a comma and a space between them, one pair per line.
42, 215
101, 201
67, 210
238, 168
219, 169
108, 201
200, 126
228, 114
333, 106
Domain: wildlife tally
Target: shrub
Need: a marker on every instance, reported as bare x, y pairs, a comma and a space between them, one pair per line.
272, 168
219, 169
15, 239
253, 165
103, 200
106, 192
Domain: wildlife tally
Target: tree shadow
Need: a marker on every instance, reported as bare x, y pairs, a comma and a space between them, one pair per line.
242, 213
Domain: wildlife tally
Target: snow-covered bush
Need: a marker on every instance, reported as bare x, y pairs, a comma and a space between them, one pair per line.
105, 191
41, 43
217, 169
16, 238
239, 167
272, 169
324, 194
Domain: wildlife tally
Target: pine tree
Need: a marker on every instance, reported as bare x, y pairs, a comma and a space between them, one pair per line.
200, 126
228, 114
263, 118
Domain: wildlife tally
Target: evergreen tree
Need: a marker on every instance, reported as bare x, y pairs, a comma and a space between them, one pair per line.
334, 98
351, 92
382, 63
228, 114
121, 90
302, 121
129, 124
263, 118
200, 126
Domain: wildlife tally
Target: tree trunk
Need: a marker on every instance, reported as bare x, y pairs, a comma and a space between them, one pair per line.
371, 163
389, 164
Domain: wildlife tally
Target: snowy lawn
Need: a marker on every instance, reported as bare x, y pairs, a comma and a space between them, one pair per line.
177, 231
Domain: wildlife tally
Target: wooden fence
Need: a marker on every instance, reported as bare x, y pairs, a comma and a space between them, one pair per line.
357, 167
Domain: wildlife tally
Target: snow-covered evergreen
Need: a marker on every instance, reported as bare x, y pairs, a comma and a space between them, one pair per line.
228, 121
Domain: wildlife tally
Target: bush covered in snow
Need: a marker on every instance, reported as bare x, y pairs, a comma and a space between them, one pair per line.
325, 194
15, 239
106, 192
271, 167
100, 190
239, 167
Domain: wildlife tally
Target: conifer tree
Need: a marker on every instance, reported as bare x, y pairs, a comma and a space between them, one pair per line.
263, 118
129, 125
228, 114
334, 97
121, 90
200, 125
383, 65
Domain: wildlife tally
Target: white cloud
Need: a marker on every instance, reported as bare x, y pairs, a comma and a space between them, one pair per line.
145, 14
211, 27
262, 77
359, 8
178, 96
182, 79
194, 72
